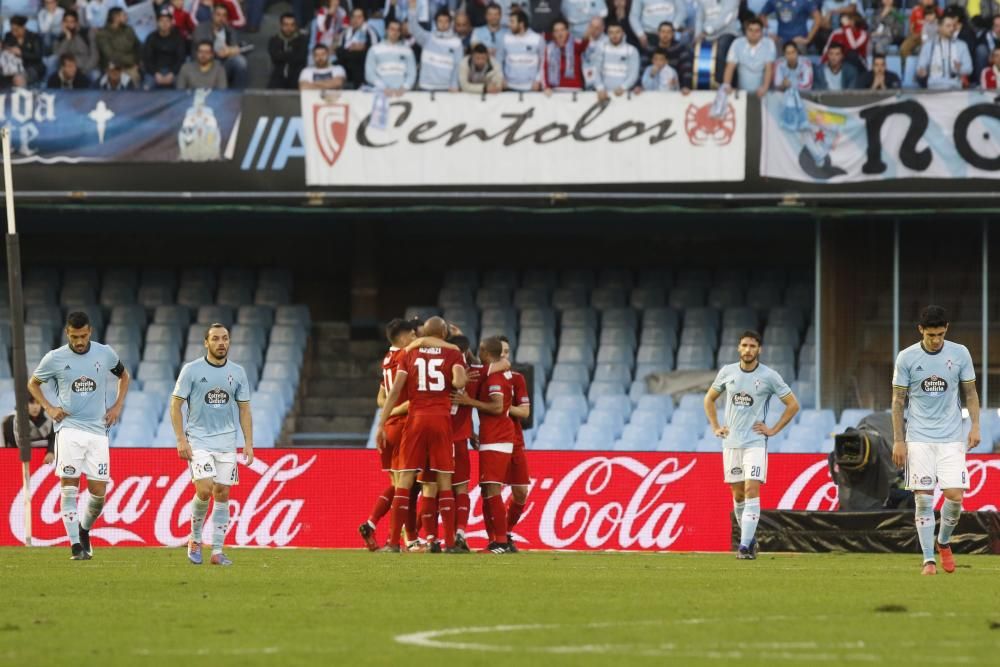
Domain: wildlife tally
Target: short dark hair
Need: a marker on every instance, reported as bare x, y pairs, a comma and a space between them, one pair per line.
462, 342
77, 320
522, 18
503, 338
389, 22
784, 47
933, 316
66, 58
320, 45
215, 325
878, 56
492, 345
21, 21
660, 52
613, 23
753, 20
667, 23
559, 20
443, 11
397, 327
835, 45
203, 43
956, 12
495, 6
362, 10
479, 47
71, 12
287, 15
750, 333
112, 13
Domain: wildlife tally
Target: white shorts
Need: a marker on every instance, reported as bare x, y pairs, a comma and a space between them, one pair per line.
220, 466
81, 452
742, 463
936, 463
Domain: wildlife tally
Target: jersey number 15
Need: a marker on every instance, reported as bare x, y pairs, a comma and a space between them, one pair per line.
429, 375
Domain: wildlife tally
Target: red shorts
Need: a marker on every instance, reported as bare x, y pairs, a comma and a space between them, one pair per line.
493, 466
517, 474
427, 443
462, 463
393, 434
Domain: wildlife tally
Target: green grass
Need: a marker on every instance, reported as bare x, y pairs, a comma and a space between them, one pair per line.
297, 607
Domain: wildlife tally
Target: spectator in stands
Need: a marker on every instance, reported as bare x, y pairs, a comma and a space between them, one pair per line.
791, 71
880, 77
793, 21
116, 78
522, 54
830, 15
945, 62
480, 72
494, 30
289, 51
40, 425
596, 39
441, 51
11, 71
222, 37
68, 76
118, 43
619, 14
963, 30
888, 27
463, 28
835, 73
853, 37
923, 25
659, 75
617, 64
95, 12
578, 13
679, 55
646, 17
990, 76
328, 26
163, 53
390, 64
563, 59
322, 75
50, 18
718, 22
205, 71
76, 43
751, 59
27, 46
183, 21
358, 37
988, 42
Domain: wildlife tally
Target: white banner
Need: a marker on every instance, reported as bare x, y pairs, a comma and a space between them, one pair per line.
463, 139
949, 135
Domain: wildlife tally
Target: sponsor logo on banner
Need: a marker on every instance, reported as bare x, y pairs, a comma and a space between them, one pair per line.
517, 140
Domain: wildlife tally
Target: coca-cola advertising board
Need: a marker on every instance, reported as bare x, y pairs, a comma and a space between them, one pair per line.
317, 498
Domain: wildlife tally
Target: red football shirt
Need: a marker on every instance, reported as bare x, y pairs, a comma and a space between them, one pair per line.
428, 372
496, 429
461, 415
390, 365
521, 397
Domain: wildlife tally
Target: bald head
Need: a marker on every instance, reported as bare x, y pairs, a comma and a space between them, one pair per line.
490, 349
436, 327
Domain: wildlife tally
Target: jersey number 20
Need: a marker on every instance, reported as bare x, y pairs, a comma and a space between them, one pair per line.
429, 375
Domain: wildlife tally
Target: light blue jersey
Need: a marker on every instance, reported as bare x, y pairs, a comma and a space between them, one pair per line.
82, 384
647, 15
751, 60
717, 17
488, 38
391, 66
932, 381
946, 62
211, 393
616, 67
747, 396
439, 58
522, 57
578, 14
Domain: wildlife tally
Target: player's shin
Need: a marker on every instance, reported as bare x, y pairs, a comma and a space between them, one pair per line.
411, 518
738, 508
924, 520
446, 508
751, 516
951, 511
94, 507
514, 511
382, 505
461, 512
428, 517
498, 518
199, 509
71, 519
220, 524
398, 516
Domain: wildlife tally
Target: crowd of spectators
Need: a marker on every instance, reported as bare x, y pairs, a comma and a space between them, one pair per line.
612, 47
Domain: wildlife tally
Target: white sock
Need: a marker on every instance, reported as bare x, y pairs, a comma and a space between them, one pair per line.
738, 511
220, 525
951, 510
199, 508
751, 515
924, 518
94, 507
71, 520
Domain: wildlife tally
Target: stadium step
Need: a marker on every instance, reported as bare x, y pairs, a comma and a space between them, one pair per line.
326, 406
306, 424
343, 387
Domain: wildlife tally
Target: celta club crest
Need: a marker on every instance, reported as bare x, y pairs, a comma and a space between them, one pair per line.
949, 364
702, 128
819, 138
330, 123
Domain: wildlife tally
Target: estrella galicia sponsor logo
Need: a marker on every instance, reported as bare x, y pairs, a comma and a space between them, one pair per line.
742, 400
217, 396
934, 385
84, 385
69, 470
926, 480
736, 471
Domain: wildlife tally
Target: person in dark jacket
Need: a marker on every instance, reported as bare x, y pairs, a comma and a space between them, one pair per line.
163, 54
289, 51
39, 424
678, 55
26, 44
880, 77
68, 76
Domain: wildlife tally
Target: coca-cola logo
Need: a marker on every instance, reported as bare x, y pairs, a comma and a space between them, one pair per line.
934, 385
217, 396
742, 400
812, 490
84, 385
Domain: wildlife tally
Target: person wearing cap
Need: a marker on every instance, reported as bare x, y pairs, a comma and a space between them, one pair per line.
115, 78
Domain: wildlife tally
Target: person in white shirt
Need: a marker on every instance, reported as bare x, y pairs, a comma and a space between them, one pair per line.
793, 71
522, 54
945, 61
322, 75
50, 24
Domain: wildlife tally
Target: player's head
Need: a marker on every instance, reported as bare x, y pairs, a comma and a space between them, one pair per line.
505, 347
490, 349
78, 331
400, 332
933, 326
462, 343
217, 341
436, 327
749, 346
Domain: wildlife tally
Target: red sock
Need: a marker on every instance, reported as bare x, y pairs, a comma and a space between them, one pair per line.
487, 520
498, 518
428, 517
382, 505
411, 517
461, 511
514, 514
446, 508
400, 508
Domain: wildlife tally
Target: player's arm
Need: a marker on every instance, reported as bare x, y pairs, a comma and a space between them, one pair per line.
124, 380
520, 411
430, 341
493, 407
177, 421
898, 427
246, 425
501, 366
390, 402
401, 409
380, 399
35, 389
711, 396
791, 409
971, 397
458, 376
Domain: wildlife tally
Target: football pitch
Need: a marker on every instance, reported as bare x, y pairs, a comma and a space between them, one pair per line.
306, 607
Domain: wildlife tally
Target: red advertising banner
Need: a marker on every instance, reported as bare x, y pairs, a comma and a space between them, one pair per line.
317, 498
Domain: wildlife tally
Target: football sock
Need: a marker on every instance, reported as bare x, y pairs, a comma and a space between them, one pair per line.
399, 516
738, 511
199, 508
94, 507
751, 515
924, 518
69, 516
488, 520
446, 507
428, 517
951, 510
220, 525
411, 514
382, 506
514, 514
461, 512
498, 518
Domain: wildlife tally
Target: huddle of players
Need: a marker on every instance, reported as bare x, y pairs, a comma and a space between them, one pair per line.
431, 382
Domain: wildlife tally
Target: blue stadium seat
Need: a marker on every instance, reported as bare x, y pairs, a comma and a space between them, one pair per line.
505, 278
165, 352
573, 353
702, 277
546, 279
78, 292
272, 295
603, 298
784, 369
618, 318
289, 334
247, 353
39, 333
459, 296
493, 297
651, 421
615, 354
49, 314
198, 277
822, 420
579, 336
532, 297
566, 422
249, 334
117, 295
461, 278
504, 318
34, 295
613, 372
534, 354
544, 318
553, 436
194, 296
665, 337
576, 373
850, 417
643, 371
594, 437
657, 403
282, 372
538, 336
800, 295
614, 336
210, 314
614, 402
295, 313
574, 404
610, 420
686, 297
661, 355
234, 295
643, 298
708, 445
777, 353
741, 318
787, 316
909, 73
805, 392
600, 390
155, 370
133, 314
257, 315
561, 388
278, 388
151, 296
174, 315
164, 333
690, 420
727, 354
467, 319
578, 278
702, 317
678, 438
582, 318
621, 278
661, 318
694, 357
807, 372
565, 298
285, 354
725, 296
763, 297
120, 275
659, 278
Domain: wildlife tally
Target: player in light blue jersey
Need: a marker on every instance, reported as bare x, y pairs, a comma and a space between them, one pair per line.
81, 372
748, 385
931, 445
217, 394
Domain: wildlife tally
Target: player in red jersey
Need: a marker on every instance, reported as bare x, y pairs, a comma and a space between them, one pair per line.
400, 333
496, 441
517, 476
436, 373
